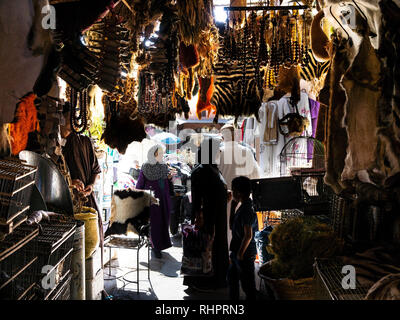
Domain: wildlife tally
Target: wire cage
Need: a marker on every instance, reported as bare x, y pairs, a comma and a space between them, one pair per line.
316, 195
20, 286
342, 212
305, 190
273, 218
14, 256
63, 290
301, 152
328, 278
16, 183
54, 248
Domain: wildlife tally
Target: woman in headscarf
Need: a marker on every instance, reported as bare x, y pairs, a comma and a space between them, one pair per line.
155, 176
209, 200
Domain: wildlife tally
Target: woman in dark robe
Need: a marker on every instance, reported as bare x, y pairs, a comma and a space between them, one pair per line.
155, 176
209, 204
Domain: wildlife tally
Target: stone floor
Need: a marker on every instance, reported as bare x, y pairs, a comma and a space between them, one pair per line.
166, 282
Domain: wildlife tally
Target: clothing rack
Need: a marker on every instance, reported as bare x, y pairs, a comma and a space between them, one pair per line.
266, 8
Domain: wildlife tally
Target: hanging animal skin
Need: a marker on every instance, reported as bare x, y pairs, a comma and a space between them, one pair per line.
123, 125
79, 65
109, 42
319, 40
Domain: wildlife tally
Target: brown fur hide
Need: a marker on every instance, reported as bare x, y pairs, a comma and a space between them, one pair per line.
363, 92
335, 151
387, 288
389, 108
319, 40
123, 126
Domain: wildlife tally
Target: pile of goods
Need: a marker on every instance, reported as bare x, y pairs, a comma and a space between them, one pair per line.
296, 242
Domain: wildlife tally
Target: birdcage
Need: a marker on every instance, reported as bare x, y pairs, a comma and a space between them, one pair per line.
17, 263
54, 248
16, 182
328, 285
302, 152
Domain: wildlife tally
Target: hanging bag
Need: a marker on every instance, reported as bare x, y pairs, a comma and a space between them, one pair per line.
293, 124
197, 251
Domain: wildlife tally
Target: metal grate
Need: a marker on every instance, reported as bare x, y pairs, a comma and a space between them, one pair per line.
54, 248
20, 286
342, 215
16, 182
14, 258
63, 290
328, 275
121, 242
316, 195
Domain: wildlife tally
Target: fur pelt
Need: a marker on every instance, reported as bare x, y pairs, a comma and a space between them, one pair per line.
389, 105
319, 40
25, 122
122, 130
289, 82
361, 83
205, 94
130, 210
374, 264
124, 124
387, 288
188, 55
336, 143
370, 9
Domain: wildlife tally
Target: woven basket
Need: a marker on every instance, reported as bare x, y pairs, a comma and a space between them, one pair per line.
287, 289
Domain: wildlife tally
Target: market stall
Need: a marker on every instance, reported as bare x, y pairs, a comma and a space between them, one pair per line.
308, 89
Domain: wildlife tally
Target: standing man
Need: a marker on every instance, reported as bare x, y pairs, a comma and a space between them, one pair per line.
83, 165
236, 160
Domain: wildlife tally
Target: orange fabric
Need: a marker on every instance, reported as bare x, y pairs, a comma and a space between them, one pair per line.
26, 116
206, 92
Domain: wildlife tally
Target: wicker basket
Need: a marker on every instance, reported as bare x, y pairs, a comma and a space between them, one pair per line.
287, 289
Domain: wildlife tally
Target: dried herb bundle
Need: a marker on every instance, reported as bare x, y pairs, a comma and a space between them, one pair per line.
296, 242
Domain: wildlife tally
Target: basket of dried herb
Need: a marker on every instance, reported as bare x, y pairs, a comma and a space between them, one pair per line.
295, 244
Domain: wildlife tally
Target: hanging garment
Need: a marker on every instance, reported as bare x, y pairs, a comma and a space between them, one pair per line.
248, 137
270, 160
270, 153
243, 128
268, 126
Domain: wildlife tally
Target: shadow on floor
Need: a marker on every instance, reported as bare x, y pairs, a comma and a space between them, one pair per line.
120, 283
167, 265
